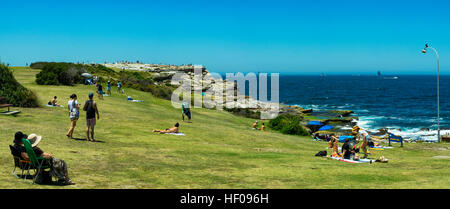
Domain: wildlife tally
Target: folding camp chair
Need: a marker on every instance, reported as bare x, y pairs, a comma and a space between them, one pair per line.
395, 138
19, 162
37, 163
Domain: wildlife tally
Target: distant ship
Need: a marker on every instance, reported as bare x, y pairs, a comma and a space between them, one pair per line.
387, 78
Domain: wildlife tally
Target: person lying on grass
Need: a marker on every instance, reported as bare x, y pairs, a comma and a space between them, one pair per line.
58, 166
174, 129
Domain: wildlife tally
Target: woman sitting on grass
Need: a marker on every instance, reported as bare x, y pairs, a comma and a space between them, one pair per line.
174, 129
58, 166
333, 143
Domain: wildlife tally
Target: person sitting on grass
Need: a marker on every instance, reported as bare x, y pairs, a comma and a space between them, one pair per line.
255, 125
58, 167
54, 102
333, 143
355, 152
263, 127
346, 149
174, 129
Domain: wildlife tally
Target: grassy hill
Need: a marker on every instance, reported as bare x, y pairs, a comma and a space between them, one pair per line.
218, 151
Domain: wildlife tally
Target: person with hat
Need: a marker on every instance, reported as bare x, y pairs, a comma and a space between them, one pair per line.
364, 135
58, 166
90, 106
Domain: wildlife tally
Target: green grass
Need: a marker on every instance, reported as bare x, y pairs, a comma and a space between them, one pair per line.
219, 151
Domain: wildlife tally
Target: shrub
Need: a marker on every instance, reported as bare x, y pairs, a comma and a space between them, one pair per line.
60, 74
288, 124
244, 112
14, 92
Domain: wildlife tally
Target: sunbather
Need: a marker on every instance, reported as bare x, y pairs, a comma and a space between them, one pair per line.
255, 124
263, 127
333, 143
58, 166
54, 101
174, 129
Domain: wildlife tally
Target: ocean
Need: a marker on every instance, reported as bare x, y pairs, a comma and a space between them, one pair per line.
404, 105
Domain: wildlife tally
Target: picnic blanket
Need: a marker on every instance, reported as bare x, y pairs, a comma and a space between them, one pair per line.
177, 134
353, 161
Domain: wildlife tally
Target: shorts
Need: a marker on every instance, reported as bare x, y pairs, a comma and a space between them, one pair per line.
188, 114
91, 122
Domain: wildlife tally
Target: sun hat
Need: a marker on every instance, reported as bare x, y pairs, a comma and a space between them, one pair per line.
34, 139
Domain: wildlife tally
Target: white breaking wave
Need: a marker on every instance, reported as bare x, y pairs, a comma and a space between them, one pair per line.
411, 134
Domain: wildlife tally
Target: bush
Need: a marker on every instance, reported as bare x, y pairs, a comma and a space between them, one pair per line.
244, 112
60, 74
13, 91
38, 65
288, 124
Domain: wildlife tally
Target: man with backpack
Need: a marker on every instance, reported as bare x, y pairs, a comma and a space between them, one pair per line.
90, 106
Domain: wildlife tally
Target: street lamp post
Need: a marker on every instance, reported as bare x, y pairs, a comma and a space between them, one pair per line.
437, 56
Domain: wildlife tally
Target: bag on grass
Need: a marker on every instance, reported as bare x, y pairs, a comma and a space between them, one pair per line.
44, 177
321, 153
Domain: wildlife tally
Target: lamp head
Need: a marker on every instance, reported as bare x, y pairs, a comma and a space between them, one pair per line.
424, 51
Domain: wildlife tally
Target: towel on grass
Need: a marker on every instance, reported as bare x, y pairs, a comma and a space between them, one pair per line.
53, 106
353, 161
176, 134
379, 148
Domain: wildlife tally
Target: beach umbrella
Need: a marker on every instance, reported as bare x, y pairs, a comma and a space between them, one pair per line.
324, 128
86, 75
315, 123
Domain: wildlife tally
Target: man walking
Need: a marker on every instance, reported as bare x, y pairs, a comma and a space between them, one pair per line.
90, 106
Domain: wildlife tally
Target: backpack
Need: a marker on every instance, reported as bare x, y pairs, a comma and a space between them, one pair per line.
321, 153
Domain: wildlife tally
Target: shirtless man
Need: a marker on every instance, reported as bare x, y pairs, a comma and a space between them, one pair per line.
254, 126
54, 102
263, 127
174, 129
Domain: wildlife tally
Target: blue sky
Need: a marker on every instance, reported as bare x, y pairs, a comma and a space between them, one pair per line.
310, 37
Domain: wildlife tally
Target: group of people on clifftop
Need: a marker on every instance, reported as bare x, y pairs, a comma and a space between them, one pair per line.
350, 150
